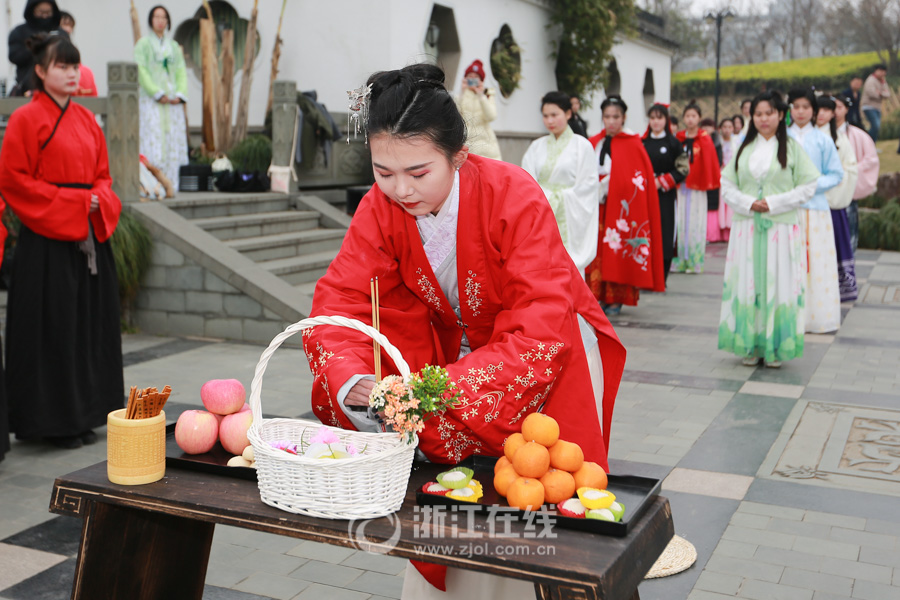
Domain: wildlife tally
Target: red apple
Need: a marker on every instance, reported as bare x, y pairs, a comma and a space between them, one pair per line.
223, 396
233, 431
196, 431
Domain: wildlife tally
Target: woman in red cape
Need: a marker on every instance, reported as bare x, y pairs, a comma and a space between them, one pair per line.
63, 337
629, 252
692, 208
473, 276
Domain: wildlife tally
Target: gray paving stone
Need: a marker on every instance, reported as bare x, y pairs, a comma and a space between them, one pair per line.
321, 572
766, 538
764, 590
788, 558
804, 528
227, 553
745, 568
817, 581
704, 595
271, 562
323, 552
736, 549
771, 510
378, 583
867, 590
274, 586
863, 538
877, 556
843, 521
721, 583
819, 595
857, 570
318, 591
381, 563
750, 521
826, 548
226, 575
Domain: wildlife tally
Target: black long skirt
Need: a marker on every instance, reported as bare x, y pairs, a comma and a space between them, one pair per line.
667, 221
4, 415
63, 339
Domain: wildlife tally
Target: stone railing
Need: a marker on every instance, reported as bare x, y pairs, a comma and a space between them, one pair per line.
349, 164
120, 114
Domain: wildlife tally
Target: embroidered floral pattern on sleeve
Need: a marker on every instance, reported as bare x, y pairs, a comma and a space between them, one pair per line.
473, 294
428, 291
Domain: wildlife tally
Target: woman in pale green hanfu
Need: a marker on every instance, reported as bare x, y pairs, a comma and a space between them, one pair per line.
765, 268
565, 166
163, 78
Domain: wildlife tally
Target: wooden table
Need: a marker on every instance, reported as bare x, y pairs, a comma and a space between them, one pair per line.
153, 541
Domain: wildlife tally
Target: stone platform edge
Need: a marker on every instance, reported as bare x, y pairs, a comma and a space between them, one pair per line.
198, 286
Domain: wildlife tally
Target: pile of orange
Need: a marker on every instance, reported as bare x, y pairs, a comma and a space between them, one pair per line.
538, 467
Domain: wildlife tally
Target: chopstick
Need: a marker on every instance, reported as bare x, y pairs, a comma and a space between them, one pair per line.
376, 323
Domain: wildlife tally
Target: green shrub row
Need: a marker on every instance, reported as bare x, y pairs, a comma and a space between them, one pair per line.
880, 230
824, 72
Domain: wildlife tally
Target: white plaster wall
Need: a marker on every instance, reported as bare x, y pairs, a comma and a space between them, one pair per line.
333, 46
633, 58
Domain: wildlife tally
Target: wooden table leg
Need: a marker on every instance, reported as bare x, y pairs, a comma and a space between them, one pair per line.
131, 554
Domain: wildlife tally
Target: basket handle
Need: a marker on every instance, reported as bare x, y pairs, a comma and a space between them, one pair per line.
256, 384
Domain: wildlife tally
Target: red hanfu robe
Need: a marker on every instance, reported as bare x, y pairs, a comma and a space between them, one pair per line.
705, 174
630, 252
64, 354
34, 166
520, 295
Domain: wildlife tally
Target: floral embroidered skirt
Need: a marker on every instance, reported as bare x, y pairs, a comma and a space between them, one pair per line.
163, 136
765, 281
690, 231
823, 294
846, 261
608, 292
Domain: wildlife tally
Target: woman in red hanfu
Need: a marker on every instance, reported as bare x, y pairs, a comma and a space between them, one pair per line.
474, 277
629, 252
4, 422
63, 342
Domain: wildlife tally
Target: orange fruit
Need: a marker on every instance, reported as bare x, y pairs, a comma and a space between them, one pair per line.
590, 475
559, 486
513, 443
566, 456
501, 462
540, 428
525, 493
503, 478
531, 460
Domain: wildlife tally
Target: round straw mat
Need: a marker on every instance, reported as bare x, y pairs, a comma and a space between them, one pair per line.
679, 555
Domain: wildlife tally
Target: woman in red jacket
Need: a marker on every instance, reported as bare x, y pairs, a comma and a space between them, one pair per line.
63, 343
690, 216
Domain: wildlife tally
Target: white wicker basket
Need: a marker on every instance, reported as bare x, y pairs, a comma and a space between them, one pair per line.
363, 487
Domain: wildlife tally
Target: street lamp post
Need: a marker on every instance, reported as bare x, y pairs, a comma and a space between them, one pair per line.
717, 18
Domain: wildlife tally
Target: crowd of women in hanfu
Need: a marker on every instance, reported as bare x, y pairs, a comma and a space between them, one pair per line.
778, 188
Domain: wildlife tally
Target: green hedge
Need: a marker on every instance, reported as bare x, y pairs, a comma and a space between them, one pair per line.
880, 230
824, 72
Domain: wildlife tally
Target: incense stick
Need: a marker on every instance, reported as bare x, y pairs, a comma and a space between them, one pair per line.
373, 290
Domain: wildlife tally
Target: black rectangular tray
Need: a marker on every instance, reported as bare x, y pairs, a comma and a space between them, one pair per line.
635, 492
215, 461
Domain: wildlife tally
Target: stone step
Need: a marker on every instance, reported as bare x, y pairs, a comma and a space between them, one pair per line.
245, 226
301, 269
308, 288
286, 245
203, 205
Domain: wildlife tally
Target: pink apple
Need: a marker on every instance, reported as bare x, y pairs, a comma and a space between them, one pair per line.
244, 407
233, 431
196, 431
223, 396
